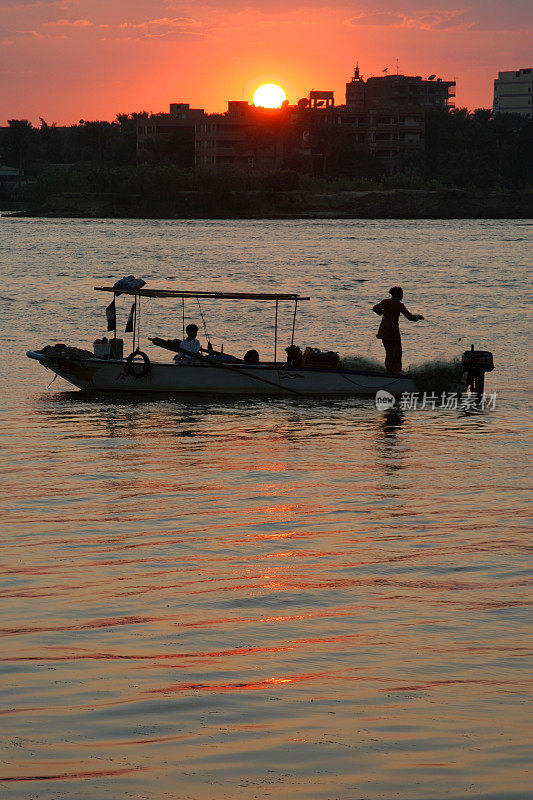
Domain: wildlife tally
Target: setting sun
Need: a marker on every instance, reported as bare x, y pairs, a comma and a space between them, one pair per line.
269, 95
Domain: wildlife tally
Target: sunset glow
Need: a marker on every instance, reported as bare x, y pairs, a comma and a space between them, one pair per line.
269, 95
66, 61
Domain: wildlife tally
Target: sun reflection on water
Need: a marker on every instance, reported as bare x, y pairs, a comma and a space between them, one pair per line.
302, 596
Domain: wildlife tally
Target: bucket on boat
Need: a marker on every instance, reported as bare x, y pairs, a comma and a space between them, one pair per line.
101, 349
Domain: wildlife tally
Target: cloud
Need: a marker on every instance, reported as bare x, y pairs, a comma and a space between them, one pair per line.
430, 15
377, 18
437, 20
19, 4
10, 35
164, 27
67, 23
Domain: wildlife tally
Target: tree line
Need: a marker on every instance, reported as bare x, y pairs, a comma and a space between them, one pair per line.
462, 149
31, 148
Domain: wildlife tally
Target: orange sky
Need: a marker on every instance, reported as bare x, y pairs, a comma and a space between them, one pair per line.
65, 60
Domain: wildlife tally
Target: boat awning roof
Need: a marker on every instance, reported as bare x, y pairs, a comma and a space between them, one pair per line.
208, 295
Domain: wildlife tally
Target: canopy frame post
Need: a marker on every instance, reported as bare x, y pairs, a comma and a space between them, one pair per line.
134, 323
294, 320
138, 317
115, 331
276, 334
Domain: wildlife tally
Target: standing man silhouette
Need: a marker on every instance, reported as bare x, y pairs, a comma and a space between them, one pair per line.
389, 329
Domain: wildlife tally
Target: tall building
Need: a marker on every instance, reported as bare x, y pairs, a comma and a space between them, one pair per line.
399, 91
320, 99
169, 138
513, 91
386, 113
383, 116
244, 136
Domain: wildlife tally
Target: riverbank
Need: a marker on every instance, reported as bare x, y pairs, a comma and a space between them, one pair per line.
296, 204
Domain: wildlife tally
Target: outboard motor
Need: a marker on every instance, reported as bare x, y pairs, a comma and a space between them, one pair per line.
476, 363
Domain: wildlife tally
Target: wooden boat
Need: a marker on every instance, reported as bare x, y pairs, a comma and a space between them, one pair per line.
207, 375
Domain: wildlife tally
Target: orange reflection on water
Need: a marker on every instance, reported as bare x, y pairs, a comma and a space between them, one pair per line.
241, 686
272, 490
275, 514
82, 626
67, 776
251, 538
98, 656
285, 554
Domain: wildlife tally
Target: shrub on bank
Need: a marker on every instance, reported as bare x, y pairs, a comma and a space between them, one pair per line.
158, 191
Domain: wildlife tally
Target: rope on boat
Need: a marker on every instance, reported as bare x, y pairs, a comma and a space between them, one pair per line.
203, 320
222, 365
390, 383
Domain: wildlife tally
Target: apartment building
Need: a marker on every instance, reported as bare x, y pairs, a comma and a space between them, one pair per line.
244, 136
513, 91
387, 113
169, 138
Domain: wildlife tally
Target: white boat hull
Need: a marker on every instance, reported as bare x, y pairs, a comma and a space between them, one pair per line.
239, 379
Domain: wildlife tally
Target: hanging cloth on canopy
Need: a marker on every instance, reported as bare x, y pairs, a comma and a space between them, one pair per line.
111, 316
131, 320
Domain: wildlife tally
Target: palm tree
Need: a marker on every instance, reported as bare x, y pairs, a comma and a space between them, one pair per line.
19, 131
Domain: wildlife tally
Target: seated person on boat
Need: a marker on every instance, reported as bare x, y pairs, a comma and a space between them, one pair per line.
190, 345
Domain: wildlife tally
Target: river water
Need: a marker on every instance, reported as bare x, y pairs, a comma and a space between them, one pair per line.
217, 599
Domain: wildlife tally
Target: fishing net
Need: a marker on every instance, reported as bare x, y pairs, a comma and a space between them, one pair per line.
362, 363
65, 351
438, 375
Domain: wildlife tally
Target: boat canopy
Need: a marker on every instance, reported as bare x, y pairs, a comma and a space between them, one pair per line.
213, 295
196, 295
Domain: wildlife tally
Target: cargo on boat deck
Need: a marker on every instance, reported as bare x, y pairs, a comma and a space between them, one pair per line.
108, 348
313, 357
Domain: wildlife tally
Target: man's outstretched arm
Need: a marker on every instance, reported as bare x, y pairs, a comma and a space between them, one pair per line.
410, 317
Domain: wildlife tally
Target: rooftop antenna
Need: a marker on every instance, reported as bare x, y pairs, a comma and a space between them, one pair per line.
356, 73
397, 69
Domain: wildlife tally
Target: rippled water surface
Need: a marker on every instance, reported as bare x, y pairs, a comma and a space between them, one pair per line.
208, 599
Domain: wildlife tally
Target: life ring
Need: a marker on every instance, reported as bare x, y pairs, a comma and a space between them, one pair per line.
137, 370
